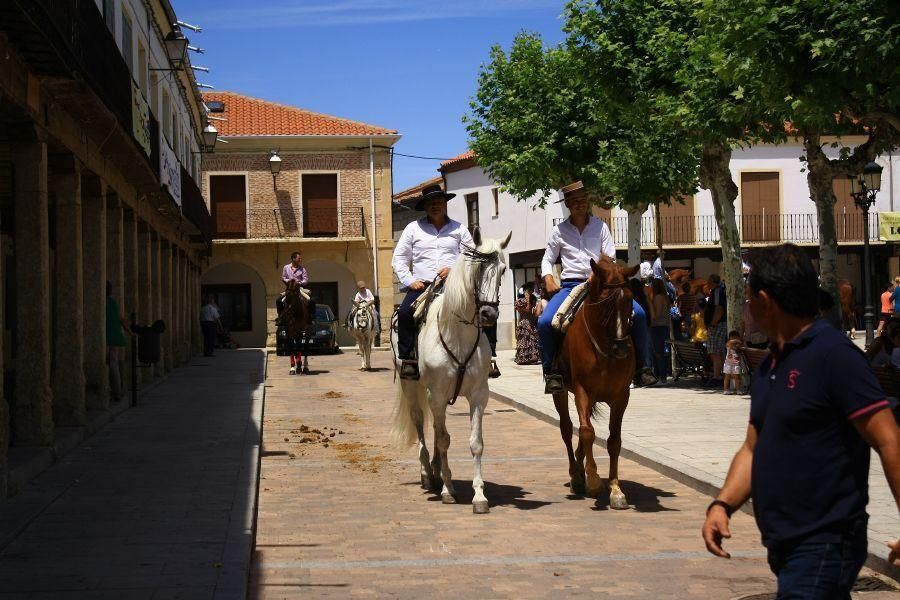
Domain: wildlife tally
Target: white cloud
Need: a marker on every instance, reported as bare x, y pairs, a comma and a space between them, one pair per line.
315, 13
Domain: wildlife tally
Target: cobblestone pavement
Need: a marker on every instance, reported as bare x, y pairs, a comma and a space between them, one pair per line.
341, 513
685, 430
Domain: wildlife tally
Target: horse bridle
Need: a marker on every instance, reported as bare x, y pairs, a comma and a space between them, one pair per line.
475, 322
604, 286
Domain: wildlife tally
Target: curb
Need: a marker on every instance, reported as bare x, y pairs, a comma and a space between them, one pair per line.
681, 474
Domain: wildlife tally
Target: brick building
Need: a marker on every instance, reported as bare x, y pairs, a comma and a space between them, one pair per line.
100, 134
330, 200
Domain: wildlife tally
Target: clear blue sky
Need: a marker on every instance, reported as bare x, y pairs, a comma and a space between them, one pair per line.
410, 65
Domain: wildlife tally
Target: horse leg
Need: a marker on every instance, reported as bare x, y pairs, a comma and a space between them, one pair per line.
441, 445
418, 418
305, 357
477, 403
293, 370
576, 471
617, 499
586, 439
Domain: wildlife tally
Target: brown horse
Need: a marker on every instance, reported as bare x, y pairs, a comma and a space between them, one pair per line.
847, 297
597, 363
679, 276
296, 317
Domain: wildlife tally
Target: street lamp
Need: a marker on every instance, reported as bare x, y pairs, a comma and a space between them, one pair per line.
863, 189
176, 47
274, 165
210, 136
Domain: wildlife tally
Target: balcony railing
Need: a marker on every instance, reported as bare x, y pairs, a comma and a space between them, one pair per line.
232, 220
193, 207
702, 230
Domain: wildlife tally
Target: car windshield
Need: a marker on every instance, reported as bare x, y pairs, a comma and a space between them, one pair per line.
323, 313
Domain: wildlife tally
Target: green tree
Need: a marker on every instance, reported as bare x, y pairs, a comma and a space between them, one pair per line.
826, 67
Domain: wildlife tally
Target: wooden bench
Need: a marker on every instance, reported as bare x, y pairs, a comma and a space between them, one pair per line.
753, 356
690, 358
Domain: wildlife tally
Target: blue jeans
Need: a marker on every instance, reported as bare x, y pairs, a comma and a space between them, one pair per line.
659, 334
549, 337
819, 570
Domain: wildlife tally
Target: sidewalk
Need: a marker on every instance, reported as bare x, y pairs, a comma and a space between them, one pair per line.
158, 504
689, 434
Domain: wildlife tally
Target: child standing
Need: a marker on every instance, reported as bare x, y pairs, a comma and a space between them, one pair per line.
732, 369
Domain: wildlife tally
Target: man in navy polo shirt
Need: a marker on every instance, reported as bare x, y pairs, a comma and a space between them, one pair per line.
816, 409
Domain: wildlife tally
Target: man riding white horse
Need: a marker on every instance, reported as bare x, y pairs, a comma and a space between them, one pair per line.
363, 296
574, 242
427, 248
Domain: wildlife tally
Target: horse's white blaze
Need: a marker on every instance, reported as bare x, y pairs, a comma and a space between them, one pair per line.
449, 318
620, 331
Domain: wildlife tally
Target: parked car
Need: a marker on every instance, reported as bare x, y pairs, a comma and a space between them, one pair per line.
323, 330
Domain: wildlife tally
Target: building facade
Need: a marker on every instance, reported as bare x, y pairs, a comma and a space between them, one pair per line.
329, 200
98, 183
773, 206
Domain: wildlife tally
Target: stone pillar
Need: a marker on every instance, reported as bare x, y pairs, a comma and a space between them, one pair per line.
177, 304
131, 299
94, 240
196, 335
145, 286
186, 307
32, 414
165, 275
4, 406
156, 295
68, 349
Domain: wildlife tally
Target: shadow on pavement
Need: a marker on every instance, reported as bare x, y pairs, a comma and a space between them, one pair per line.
497, 495
641, 498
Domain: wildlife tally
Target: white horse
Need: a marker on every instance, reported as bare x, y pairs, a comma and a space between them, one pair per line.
362, 328
454, 359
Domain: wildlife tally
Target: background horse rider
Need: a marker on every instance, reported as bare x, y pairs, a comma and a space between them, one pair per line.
363, 294
575, 241
293, 273
427, 249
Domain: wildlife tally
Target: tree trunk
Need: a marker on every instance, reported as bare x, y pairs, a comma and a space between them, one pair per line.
635, 214
715, 175
820, 177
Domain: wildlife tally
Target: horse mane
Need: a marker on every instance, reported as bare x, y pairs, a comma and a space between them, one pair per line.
459, 287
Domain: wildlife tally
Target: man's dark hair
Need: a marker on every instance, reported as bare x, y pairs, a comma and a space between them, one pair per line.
714, 278
294, 255
826, 300
787, 275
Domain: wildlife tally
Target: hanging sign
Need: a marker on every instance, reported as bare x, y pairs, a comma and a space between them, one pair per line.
169, 169
140, 118
889, 226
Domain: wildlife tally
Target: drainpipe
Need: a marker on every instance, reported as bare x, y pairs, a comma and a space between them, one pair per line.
372, 202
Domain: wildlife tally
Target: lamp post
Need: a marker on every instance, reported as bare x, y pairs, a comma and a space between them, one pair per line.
863, 189
210, 136
176, 47
274, 165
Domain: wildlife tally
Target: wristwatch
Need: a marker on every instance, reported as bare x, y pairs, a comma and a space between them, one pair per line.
723, 504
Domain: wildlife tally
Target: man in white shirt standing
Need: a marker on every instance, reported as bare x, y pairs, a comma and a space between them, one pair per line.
574, 242
210, 324
659, 273
427, 249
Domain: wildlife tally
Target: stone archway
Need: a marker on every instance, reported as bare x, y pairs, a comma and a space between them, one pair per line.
237, 284
326, 271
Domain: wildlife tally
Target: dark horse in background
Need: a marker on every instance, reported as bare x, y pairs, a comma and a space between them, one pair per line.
597, 363
847, 298
296, 317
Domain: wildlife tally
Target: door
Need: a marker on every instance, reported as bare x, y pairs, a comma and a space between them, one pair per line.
848, 218
677, 221
228, 196
320, 204
760, 219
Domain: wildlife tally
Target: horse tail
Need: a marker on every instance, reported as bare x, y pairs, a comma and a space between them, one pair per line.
403, 428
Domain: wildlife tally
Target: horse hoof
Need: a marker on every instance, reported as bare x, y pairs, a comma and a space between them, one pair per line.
305, 370
293, 371
481, 507
426, 482
578, 487
618, 502
448, 499
592, 492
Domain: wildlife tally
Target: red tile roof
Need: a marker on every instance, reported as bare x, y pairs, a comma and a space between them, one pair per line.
466, 160
416, 190
467, 155
248, 116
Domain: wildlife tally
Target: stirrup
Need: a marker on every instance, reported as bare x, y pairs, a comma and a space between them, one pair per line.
553, 383
409, 369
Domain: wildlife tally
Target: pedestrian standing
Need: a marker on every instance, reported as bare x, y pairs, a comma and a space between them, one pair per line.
660, 322
116, 329
816, 408
715, 316
527, 350
895, 297
732, 370
887, 308
210, 324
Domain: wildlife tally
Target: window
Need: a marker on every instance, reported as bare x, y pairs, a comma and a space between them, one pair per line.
142, 67
233, 300
166, 120
154, 94
677, 221
228, 197
109, 15
320, 204
496, 193
472, 210
127, 42
187, 152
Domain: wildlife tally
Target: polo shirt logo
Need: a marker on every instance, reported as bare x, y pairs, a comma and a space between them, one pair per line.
792, 378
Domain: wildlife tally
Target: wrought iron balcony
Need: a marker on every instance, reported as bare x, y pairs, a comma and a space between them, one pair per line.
702, 230
232, 220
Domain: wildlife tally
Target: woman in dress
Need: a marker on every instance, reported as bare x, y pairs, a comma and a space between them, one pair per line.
527, 351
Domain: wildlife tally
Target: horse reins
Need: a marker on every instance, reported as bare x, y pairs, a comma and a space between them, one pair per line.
587, 326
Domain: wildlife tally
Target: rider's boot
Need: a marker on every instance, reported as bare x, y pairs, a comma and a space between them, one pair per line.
553, 383
646, 378
409, 369
495, 372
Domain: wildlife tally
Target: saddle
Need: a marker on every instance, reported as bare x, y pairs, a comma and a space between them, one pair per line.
423, 302
567, 310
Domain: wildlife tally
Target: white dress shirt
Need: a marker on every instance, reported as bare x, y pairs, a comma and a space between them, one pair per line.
422, 250
577, 249
366, 296
209, 312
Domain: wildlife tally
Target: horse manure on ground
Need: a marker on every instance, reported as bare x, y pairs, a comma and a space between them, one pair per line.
333, 394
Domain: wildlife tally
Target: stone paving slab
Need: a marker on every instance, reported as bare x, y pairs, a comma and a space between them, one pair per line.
691, 434
350, 520
158, 504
